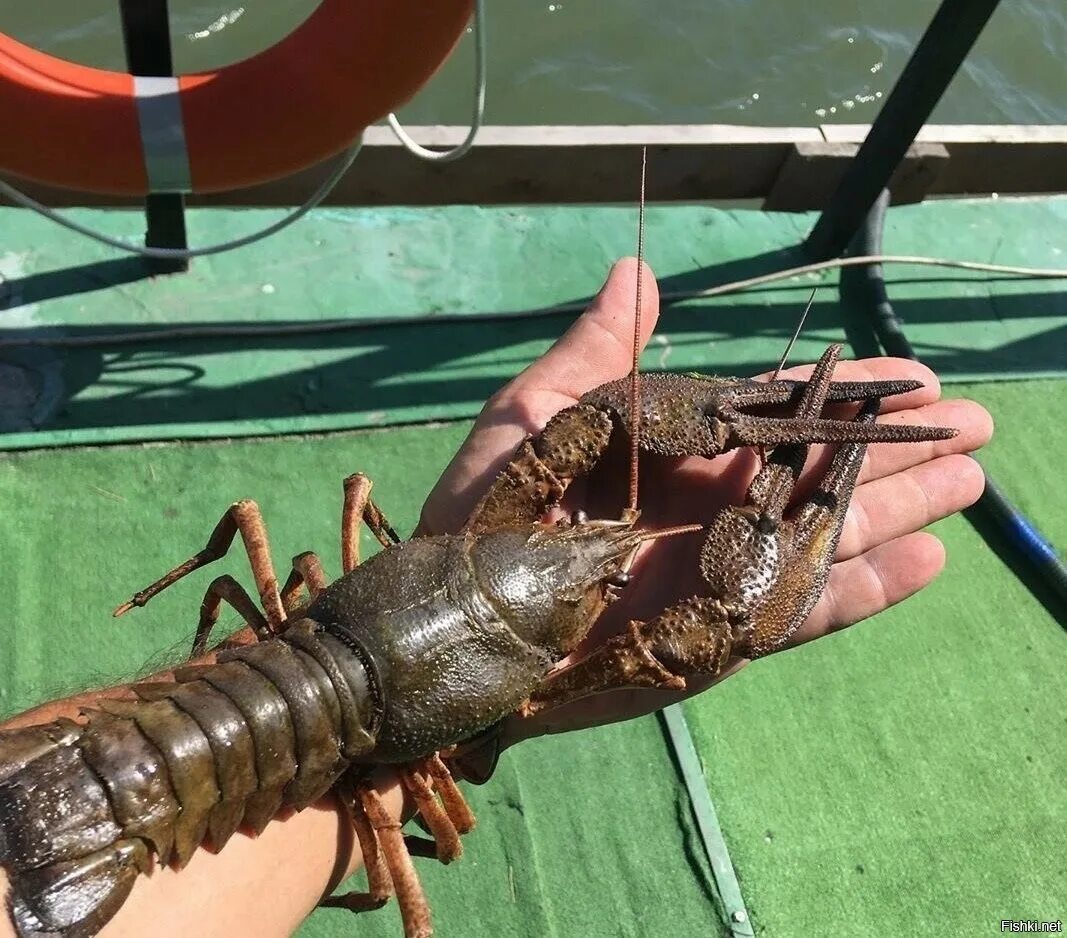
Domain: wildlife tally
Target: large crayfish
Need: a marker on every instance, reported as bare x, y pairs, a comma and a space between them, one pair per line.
428, 644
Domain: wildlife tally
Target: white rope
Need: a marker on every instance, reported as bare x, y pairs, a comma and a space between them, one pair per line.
918, 260
344, 162
448, 156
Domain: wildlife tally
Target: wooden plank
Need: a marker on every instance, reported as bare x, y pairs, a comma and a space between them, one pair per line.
1004, 158
1001, 134
596, 164
583, 135
812, 172
1014, 169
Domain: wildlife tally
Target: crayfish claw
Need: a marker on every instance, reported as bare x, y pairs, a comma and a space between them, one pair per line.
697, 415
771, 431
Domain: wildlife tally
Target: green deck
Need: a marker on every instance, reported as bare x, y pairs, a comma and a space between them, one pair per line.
904, 778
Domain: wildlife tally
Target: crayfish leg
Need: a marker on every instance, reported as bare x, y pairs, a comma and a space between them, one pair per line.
387, 853
694, 635
242, 517
306, 571
359, 507
226, 589
414, 910
427, 780
379, 882
451, 797
446, 840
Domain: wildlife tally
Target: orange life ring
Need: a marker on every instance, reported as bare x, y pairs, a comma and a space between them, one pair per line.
298, 102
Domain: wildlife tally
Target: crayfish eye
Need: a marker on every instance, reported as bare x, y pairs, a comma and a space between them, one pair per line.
579, 517
619, 580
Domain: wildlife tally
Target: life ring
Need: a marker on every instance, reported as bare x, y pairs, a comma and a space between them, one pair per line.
292, 105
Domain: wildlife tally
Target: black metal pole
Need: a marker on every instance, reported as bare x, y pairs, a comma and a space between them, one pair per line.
945, 44
146, 33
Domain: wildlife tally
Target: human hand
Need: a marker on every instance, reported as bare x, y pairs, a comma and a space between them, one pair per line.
883, 555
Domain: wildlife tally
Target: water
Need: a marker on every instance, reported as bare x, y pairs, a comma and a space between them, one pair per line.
679, 61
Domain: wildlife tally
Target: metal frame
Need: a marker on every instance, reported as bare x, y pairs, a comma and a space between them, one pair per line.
943, 47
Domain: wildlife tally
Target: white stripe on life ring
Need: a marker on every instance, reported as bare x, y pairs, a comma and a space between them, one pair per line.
159, 112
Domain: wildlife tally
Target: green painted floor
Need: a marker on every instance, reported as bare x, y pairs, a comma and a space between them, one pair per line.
903, 778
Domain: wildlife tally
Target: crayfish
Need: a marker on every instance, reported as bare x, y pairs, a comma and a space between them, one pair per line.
413, 657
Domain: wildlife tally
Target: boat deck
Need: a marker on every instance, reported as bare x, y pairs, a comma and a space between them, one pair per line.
902, 778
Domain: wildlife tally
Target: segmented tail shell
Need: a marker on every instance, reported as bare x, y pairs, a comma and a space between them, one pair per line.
83, 806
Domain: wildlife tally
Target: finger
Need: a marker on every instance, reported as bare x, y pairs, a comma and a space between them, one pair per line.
908, 501
881, 369
594, 350
871, 582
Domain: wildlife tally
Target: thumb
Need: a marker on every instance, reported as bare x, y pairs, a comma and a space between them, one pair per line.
599, 346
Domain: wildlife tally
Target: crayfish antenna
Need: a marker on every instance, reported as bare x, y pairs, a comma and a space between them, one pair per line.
631, 512
662, 533
796, 334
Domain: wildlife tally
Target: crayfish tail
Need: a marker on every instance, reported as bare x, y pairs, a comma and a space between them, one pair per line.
76, 898
69, 866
